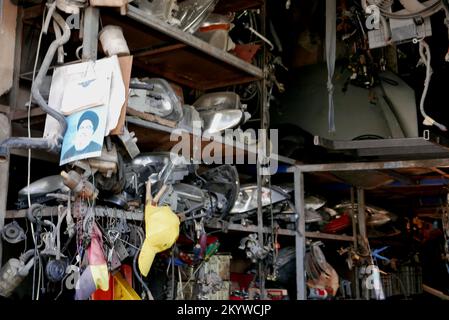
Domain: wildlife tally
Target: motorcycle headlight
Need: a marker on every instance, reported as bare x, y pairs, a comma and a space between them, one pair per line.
215, 122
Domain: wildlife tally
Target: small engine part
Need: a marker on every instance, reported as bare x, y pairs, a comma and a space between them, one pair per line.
77, 184
55, 270
14, 271
13, 233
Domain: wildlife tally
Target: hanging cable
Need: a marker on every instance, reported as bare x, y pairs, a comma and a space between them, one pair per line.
136, 273
424, 52
331, 43
36, 253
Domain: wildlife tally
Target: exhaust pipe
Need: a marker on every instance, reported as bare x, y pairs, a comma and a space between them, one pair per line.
51, 144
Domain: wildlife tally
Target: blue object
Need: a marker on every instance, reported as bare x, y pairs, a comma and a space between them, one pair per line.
178, 262
376, 254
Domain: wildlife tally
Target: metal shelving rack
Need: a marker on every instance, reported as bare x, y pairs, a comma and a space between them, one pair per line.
166, 51
360, 233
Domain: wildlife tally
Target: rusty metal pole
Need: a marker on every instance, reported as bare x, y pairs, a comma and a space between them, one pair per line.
260, 228
261, 178
361, 218
361, 215
354, 234
5, 132
90, 33
300, 238
5, 122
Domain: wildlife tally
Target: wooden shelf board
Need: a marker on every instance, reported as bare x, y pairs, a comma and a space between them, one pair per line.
157, 137
167, 51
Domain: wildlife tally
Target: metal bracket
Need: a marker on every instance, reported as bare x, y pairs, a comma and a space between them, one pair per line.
129, 142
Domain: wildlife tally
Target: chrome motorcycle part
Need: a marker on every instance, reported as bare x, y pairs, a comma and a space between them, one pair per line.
314, 203
14, 272
192, 13
165, 10
247, 198
13, 233
155, 96
44, 186
220, 111
312, 216
223, 184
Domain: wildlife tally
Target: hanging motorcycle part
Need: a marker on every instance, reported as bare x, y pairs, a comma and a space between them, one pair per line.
424, 51
55, 268
321, 275
79, 185
14, 272
13, 233
253, 249
134, 242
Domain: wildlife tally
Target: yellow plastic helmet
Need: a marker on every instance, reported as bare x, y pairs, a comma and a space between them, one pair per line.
161, 232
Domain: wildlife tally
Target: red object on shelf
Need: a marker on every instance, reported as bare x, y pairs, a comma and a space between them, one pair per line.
223, 26
211, 239
185, 258
127, 273
277, 294
246, 51
105, 295
183, 240
338, 224
242, 279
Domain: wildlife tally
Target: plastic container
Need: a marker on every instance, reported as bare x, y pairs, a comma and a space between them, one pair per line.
113, 42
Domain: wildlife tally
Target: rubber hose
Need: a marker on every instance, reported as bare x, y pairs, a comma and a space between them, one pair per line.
136, 273
30, 212
54, 143
43, 71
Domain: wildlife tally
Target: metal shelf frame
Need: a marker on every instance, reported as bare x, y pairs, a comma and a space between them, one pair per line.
299, 171
192, 41
179, 41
